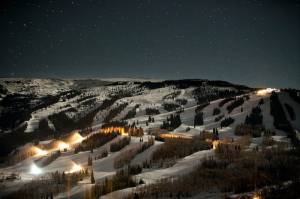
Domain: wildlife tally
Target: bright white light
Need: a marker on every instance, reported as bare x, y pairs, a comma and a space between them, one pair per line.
75, 168
62, 145
266, 91
35, 170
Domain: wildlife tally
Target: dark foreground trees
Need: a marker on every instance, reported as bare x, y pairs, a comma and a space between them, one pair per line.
121, 180
280, 120
233, 171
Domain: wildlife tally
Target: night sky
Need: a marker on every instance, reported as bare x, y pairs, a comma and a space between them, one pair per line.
250, 42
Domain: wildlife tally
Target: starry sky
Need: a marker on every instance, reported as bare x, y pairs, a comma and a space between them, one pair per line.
252, 42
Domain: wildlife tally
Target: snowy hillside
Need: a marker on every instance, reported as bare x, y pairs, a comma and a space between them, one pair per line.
60, 130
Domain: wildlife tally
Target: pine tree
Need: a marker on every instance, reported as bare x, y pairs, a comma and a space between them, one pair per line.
63, 177
136, 196
92, 177
198, 120
215, 134
90, 161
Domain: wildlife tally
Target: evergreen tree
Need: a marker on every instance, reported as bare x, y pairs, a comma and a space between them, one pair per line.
63, 178
136, 196
215, 134
198, 120
90, 161
92, 177
261, 101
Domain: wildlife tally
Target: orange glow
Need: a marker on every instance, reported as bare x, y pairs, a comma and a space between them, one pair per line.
39, 152
75, 168
120, 130
174, 135
125, 131
76, 138
255, 196
216, 144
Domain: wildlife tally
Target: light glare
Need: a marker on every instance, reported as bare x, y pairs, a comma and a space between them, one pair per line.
75, 168
266, 91
39, 152
35, 170
62, 145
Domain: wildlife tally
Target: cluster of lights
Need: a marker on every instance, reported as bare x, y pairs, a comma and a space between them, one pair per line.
121, 130
266, 91
35, 170
174, 135
60, 145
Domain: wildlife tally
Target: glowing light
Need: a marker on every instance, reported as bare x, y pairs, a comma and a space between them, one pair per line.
75, 168
39, 152
76, 138
175, 135
35, 170
120, 130
266, 91
256, 196
216, 144
62, 145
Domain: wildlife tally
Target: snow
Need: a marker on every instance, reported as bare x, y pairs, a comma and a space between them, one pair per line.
146, 98
61, 106
183, 166
40, 87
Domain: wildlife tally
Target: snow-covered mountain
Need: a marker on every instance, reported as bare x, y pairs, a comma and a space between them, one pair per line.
49, 109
